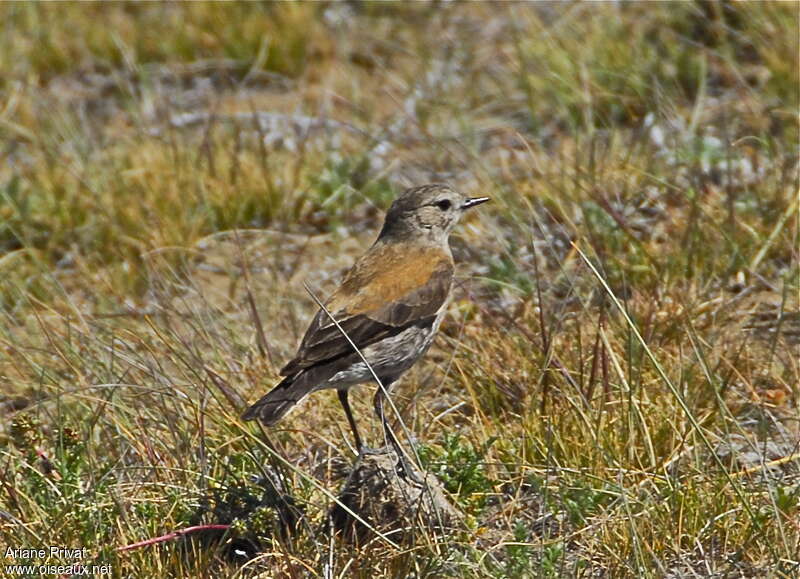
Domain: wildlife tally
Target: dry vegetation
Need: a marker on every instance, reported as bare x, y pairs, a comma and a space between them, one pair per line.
616, 390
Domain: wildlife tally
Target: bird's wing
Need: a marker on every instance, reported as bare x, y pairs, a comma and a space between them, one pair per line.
386, 291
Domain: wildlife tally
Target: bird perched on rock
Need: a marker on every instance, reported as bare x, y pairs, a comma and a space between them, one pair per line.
389, 307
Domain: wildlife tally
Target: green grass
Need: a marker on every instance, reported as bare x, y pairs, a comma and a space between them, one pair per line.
615, 389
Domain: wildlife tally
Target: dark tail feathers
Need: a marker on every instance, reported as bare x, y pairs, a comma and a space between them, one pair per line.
278, 401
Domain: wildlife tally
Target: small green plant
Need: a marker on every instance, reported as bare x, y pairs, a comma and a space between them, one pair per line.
461, 468
61, 478
552, 557
787, 500
344, 183
581, 502
505, 271
519, 556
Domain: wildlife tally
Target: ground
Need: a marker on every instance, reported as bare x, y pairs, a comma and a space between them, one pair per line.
615, 390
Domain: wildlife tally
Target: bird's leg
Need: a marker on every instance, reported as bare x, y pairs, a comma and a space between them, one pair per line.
404, 469
346, 405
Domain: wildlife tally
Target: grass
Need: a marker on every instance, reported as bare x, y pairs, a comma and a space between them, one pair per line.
615, 390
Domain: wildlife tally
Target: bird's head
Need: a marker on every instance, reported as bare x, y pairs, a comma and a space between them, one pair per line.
427, 212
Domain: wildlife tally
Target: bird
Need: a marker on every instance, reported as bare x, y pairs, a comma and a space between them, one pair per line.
386, 311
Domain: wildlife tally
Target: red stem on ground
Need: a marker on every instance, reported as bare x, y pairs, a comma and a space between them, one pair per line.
173, 535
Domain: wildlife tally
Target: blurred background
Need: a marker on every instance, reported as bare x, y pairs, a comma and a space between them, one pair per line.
171, 174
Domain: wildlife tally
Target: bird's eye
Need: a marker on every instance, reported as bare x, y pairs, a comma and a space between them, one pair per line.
444, 204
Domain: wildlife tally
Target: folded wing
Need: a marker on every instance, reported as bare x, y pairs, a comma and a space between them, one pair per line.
371, 305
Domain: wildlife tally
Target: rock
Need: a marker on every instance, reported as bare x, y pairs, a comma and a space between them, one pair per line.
767, 457
392, 503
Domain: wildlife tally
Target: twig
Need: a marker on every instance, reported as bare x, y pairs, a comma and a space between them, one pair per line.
173, 535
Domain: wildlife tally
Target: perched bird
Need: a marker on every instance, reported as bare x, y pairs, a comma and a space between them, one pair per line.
389, 306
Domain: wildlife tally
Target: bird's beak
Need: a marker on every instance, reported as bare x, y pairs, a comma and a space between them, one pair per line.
474, 201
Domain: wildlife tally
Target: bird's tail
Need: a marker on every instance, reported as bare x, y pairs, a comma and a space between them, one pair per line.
277, 402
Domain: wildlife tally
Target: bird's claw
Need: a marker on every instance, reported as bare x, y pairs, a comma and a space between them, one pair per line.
407, 471
368, 451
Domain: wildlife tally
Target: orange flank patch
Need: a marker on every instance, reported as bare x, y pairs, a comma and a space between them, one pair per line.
386, 273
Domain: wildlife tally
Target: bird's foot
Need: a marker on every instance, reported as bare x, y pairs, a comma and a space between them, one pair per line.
403, 467
367, 451
406, 470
